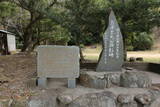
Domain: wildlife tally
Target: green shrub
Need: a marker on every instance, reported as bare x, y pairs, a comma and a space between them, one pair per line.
142, 41
130, 48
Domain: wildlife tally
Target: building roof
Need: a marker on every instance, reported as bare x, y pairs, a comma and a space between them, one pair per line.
3, 31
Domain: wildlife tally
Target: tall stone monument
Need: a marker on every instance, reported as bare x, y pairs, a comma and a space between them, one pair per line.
111, 58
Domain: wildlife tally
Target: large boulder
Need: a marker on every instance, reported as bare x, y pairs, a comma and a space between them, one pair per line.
125, 98
135, 80
99, 80
45, 98
143, 99
102, 99
93, 79
130, 104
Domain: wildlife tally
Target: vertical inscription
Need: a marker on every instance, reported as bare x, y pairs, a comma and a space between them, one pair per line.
117, 42
114, 43
111, 40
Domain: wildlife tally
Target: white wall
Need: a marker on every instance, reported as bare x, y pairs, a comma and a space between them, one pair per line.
11, 40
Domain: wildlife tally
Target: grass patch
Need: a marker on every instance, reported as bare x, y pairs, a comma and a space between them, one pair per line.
92, 53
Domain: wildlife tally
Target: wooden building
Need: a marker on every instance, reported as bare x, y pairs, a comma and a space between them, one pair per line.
7, 42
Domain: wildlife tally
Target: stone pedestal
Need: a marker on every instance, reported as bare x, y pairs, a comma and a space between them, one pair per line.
101, 80
135, 80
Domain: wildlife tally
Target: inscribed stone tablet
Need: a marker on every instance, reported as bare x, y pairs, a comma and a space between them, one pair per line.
111, 58
58, 61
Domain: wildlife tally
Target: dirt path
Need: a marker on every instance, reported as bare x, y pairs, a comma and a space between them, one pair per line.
15, 70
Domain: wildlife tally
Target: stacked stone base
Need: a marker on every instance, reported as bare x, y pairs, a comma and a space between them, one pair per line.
97, 89
101, 80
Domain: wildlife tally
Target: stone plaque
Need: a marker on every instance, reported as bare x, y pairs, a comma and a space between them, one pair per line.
111, 58
58, 62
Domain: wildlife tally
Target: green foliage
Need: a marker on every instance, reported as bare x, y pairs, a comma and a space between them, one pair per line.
136, 17
84, 21
142, 41
7, 9
80, 22
60, 36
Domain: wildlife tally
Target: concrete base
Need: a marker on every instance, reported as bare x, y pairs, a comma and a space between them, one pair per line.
42, 82
71, 83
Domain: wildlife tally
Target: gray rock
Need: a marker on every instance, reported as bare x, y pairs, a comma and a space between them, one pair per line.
93, 80
139, 59
132, 59
111, 58
124, 98
154, 94
143, 99
156, 103
99, 80
45, 99
103, 99
135, 80
129, 68
131, 104
65, 99
113, 78
35, 103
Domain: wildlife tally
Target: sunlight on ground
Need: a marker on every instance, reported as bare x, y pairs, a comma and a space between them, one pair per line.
92, 53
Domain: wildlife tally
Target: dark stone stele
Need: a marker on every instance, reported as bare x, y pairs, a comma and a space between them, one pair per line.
111, 57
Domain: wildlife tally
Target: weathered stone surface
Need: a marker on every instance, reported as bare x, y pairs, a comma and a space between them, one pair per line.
93, 80
154, 94
125, 98
86, 97
129, 68
113, 78
103, 99
99, 80
65, 99
130, 104
135, 80
35, 103
156, 103
111, 58
44, 100
144, 99
58, 61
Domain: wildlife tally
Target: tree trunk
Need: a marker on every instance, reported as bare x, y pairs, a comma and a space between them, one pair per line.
80, 50
124, 49
81, 55
26, 41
